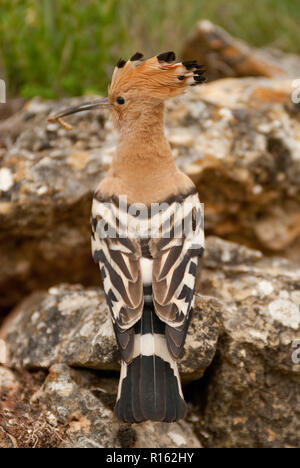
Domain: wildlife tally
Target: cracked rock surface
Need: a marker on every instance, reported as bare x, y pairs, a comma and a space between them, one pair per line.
73, 408
241, 342
71, 324
252, 391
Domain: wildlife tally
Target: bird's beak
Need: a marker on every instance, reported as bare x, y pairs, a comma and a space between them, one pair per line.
85, 106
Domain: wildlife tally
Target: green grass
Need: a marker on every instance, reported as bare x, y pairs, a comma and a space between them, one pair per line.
68, 47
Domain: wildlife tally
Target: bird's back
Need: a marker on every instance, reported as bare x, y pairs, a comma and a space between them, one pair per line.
148, 258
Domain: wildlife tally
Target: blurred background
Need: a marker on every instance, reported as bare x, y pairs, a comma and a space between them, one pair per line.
54, 48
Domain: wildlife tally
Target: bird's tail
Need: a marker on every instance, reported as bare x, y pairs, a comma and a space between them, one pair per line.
149, 386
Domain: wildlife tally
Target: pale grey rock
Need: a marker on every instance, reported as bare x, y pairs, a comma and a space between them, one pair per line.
47, 179
72, 325
83, 401
252, 395
6, 441
243, 335
245, 160
8, 381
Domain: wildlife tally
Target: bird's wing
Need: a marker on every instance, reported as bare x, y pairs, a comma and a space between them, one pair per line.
175, 261
119, 262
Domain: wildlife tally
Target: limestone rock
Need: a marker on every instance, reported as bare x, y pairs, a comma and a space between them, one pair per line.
252, 394
165, 435
71, 325
46, 185
224, 55
84, 402
245, 160
8, 381
245, 334
6, 441
73, 408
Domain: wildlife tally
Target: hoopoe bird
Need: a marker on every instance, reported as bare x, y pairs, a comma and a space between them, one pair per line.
148, 275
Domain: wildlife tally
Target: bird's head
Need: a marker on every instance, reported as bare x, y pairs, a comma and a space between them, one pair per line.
139, 86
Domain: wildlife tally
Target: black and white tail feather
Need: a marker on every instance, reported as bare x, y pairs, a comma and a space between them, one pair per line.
149, 285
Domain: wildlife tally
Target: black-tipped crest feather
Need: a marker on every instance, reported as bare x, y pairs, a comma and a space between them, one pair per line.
121, 63
136, 56
166, 57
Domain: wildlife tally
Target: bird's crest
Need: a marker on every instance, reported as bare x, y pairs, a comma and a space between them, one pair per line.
159, 76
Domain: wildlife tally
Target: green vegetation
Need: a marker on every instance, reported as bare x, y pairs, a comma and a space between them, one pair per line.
67, 47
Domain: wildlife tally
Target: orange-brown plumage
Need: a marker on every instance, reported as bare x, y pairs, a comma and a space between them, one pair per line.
143, 166
153, 78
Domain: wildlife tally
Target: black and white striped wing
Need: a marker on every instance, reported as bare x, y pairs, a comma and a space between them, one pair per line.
175, 262
119, 262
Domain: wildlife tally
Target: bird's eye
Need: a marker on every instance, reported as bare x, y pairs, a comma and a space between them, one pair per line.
120, 100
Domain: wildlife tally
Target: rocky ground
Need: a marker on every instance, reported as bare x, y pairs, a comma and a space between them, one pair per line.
246, 322
238, 139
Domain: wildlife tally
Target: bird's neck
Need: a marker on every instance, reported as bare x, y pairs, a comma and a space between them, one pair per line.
143, 151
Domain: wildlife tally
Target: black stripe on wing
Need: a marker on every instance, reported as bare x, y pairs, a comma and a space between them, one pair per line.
174, 273
125, 340
119, 261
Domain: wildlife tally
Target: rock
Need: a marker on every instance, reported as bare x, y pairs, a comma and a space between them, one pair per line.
6, 441
68, 324
8, 381
22, 423
71, 324
165, 435
245, 334
226, 56
252, 391
73, 408
245, 161
237, 139
47, 179
3, 356
83, 401
10, 108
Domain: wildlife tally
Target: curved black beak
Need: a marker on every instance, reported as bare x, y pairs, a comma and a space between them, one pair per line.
85, 106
